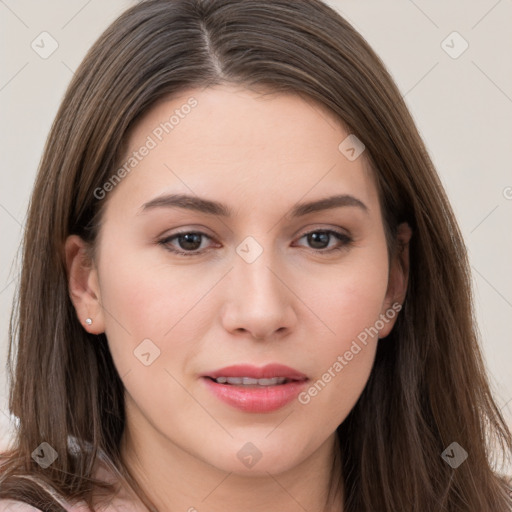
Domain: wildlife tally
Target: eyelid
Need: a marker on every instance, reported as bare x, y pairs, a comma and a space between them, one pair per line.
166, 240
329, 228
345, 238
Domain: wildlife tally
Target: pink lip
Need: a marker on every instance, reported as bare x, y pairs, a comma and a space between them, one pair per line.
265, 372
256, 400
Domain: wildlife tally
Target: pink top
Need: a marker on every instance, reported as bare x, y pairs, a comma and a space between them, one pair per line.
122, 502
18, 506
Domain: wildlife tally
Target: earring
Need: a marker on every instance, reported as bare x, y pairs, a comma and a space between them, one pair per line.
88, 321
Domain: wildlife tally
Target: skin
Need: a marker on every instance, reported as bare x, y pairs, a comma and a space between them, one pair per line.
295, 305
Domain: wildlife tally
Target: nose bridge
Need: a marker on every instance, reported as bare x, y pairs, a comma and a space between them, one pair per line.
258, 301
255, 269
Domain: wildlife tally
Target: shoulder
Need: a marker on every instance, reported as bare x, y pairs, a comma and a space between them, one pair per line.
16, 506
104, 470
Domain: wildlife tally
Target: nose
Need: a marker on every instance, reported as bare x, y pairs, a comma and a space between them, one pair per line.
259, 299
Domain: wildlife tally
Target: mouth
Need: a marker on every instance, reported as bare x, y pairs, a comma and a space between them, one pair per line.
249, 382
256, 390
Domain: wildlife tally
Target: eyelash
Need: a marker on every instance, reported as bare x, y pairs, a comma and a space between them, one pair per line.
342, 237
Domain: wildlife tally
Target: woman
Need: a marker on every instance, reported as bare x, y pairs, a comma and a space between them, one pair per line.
243, 286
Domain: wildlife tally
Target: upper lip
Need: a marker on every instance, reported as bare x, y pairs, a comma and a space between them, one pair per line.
264, 372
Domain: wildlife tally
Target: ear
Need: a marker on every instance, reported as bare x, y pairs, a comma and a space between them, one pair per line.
83, 284
397, 281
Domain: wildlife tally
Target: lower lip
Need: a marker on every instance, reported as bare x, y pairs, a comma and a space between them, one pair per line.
252, 399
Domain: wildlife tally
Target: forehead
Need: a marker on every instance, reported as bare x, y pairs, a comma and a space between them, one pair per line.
242, 145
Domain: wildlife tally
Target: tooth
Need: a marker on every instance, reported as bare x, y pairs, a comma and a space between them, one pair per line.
249, 380
235, 380
271, 382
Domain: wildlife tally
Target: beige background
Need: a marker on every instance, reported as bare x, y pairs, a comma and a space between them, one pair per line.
462, 107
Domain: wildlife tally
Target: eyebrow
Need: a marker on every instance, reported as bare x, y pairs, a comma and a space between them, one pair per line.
211, 207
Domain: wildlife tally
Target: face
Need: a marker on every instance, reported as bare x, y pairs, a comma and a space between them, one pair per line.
240, 272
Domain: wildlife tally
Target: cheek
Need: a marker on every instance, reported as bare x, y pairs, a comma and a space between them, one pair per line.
349, 298
144, 301
349, 307
332, 394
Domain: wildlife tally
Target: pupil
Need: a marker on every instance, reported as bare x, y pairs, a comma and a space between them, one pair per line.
318, 237
191, 240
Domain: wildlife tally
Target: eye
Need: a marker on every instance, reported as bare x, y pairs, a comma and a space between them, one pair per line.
188, 241
320, 238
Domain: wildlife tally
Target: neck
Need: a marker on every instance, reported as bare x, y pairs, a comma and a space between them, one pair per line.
174, 479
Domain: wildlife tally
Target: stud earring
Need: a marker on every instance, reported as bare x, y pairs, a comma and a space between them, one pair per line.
88, 321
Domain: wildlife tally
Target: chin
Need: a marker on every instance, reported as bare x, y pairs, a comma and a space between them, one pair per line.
259, 457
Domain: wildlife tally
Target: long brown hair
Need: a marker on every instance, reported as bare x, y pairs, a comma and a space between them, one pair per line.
428, 387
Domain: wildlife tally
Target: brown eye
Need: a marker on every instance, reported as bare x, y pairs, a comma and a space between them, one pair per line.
188, 243
319, 240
